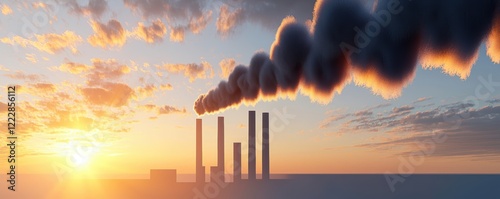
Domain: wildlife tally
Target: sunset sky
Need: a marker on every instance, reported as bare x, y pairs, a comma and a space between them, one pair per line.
128, 73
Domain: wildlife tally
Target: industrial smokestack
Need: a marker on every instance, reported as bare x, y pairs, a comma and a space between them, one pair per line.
378, 48
220, 146
251, 146
236, 162
265, 146
200, 170
216, 175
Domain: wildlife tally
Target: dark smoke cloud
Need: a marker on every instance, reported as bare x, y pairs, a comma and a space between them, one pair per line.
378, 49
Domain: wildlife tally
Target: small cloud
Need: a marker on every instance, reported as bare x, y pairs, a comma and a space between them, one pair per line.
170, 110
31, 58
74, 68
227, 67
332, 119
422, 99
177, 34
6, 10
163, 110
146, 91
192, 71
363, 113
153, 33
108, 35
227, 20
166, 87
148, 107
402, 109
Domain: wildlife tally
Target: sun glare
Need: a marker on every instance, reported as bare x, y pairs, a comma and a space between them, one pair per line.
80, 149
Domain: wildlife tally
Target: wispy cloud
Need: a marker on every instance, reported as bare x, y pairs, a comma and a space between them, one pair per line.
471, 130
31, 57
163, 109
38, 89
334, 116
19, 75
192, 71
51, 43
476, 136
170, 109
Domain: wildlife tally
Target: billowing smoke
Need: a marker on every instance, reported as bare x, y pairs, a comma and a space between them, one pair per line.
378, 49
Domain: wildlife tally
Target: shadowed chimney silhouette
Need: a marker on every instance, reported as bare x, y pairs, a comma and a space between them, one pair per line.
265, 146
251, 146
200, 170
220, 146
236, 162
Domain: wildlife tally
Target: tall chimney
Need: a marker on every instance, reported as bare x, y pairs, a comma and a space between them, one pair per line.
200, 170
265, 146
251, 146
236, 162
220, 146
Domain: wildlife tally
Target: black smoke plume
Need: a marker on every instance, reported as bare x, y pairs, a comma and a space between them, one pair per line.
378, 49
